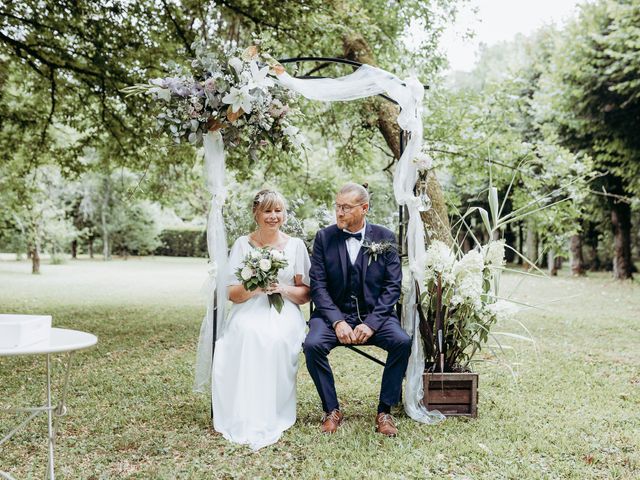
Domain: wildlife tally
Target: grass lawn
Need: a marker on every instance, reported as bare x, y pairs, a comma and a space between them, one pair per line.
574, 411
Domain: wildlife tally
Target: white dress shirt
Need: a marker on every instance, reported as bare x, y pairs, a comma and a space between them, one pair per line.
353, 245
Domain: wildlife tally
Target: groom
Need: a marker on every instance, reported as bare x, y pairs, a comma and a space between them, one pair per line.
356, 278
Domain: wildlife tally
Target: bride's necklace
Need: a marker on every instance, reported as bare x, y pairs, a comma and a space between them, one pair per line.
276, 244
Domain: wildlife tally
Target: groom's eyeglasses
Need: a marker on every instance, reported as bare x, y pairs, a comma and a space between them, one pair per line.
346, 208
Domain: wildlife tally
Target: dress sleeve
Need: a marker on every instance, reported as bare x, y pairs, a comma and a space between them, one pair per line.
302, 262
235, 261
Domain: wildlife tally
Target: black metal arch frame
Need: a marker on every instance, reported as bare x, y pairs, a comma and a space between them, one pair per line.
404, 135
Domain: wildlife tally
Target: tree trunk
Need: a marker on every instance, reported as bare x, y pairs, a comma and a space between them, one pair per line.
520, 244
532, 244
90, 246
509, 239
552, 266
591, 242
35, 258
577, 260
558, 262
621, 222
74, 249
436, 219
106, 250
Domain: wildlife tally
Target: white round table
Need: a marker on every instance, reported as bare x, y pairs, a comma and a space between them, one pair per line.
61, 340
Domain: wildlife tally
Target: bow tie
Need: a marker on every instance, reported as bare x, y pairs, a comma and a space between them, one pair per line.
348, 235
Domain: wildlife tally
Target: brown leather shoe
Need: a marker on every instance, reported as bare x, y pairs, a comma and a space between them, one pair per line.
331, 421
386, 425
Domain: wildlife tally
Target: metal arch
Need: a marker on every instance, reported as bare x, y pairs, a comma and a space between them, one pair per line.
403, 138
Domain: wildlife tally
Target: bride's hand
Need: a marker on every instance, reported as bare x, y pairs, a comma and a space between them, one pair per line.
276, 288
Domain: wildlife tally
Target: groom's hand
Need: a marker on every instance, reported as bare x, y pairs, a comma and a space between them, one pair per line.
363, 333
345, 333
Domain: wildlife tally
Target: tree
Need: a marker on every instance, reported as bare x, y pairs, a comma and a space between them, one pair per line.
84, 53
589, 101
495, 141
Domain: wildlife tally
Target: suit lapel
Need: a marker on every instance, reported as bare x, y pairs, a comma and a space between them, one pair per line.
365, 256
342, 253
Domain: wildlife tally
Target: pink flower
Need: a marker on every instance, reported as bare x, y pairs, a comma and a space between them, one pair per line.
210, 84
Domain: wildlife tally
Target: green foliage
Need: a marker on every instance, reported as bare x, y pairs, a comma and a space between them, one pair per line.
133, 230
183, 242
496, 140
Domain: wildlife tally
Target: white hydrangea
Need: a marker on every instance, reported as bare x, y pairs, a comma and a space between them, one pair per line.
468, 274
494, 253
470, 288
502, 309
472, 263
439, 257
255, 254
277, 255
265, 264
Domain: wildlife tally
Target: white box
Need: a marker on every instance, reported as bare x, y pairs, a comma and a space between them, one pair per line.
21, 330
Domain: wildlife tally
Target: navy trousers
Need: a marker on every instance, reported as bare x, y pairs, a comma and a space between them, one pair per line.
321, 339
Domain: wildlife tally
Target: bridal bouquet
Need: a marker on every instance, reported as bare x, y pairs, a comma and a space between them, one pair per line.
260, 269
228, 91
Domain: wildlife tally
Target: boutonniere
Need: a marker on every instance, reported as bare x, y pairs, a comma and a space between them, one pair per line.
373, 249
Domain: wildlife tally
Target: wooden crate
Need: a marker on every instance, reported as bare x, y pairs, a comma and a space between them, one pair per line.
453, 394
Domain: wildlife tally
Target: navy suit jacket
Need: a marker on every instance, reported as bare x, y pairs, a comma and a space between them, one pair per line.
382, 277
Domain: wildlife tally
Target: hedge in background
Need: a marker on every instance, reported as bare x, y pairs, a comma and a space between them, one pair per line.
182, 243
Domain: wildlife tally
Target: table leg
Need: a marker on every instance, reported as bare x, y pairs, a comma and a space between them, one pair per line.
50, 466
53, 414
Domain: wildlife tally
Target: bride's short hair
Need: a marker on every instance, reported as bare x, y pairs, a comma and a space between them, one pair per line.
266, 200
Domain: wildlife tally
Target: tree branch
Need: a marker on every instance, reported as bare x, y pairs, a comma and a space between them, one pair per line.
21, 48
255, 20
179, 30
52, 79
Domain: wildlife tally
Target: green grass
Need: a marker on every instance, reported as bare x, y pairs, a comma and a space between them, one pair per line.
574, 411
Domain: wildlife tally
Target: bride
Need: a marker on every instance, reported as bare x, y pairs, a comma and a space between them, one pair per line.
256, 358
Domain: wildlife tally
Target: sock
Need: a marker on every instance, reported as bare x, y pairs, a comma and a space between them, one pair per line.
384, 408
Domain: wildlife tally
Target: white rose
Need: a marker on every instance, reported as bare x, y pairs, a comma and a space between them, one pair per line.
277, 255
246, 273
265, 264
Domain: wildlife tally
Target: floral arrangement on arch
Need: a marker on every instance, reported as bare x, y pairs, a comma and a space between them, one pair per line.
230, 92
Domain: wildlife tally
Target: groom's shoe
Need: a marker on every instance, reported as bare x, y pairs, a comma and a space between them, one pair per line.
386, 425
331, 421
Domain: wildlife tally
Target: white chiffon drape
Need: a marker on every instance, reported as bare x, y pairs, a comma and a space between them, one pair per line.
256, 360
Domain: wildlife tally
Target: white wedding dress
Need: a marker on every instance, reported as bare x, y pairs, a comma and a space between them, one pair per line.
256, 358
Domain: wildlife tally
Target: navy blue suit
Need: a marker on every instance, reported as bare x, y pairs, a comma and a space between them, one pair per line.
362, 292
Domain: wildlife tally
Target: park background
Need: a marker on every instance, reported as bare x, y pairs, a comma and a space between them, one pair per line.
106, 212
